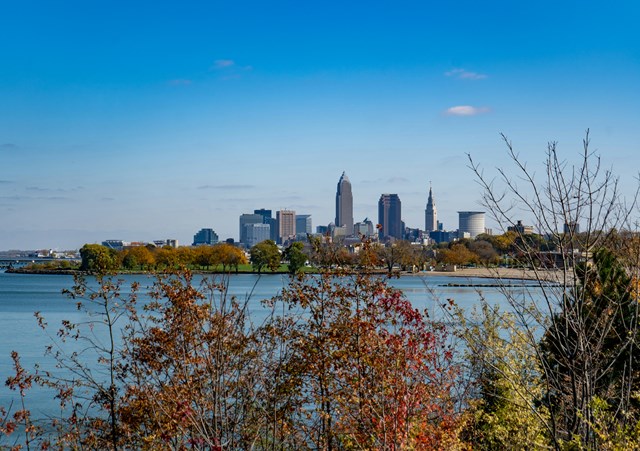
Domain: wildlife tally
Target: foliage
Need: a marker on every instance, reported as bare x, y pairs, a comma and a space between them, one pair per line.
606, 305
296, 257
348, 363
265, 254
98, 259
366, 369
457, 254
503, 409
589, 348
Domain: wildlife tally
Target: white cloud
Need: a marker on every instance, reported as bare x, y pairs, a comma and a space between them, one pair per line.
466, 110
463, 74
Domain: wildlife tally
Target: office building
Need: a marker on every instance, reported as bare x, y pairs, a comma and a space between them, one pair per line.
430, 214
390, 217
471, 222
286, 223
267, 218
205, 236
256, 233
520, 228
248, 218
303, 225
364, 228
344, 204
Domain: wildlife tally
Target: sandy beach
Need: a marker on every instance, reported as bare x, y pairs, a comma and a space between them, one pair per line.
497, 273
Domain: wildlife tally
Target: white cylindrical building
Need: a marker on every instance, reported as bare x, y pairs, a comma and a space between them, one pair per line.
471, 222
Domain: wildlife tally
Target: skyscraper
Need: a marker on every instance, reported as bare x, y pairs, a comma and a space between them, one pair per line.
303, 224
430, 214
248, 218
268, 219
286, 220
390, 217
344, 204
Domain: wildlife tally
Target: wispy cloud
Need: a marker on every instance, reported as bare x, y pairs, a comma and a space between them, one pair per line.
229, 69
5, 182
221, 64
463, 74
397, 180
180, 82
54, 190
466, 110
8, 146
226, 187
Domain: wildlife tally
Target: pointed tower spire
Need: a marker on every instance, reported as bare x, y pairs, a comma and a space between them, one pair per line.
430, 214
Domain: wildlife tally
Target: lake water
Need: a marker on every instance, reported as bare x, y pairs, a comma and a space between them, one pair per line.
22, 295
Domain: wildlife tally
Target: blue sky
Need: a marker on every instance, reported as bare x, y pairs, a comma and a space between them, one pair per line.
150, 120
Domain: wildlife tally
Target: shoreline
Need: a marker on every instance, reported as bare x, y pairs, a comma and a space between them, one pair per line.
495, 273
464, 273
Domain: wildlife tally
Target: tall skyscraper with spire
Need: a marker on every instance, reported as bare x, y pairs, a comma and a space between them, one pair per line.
344, 204
430, 214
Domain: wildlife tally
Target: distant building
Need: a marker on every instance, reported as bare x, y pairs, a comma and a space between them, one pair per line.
520, 228
303, 224
430, 214
267, 218
256, 233
169, 242
412, 235
286, 220
390, 217
571, 228
440, 236
322, 230
205, 236
248, 218
344, 204
115, 244
365, 228
471, 222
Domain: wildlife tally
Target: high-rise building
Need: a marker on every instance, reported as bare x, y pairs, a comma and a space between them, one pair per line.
430, 214
471, 222
256, 233
303, 224
344, 204
248, 218
390, 217
267, 218
205, 236
286, 220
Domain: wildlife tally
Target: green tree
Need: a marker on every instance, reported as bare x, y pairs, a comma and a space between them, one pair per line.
265, 254
98, 259
296, 257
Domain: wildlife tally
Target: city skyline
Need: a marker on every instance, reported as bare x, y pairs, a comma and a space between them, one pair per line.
155, 120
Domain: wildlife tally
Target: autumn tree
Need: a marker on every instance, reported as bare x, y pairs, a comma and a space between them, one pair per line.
192, 370
98, 259
265, 254
366, 370
457, 254
228, 256
137, 257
